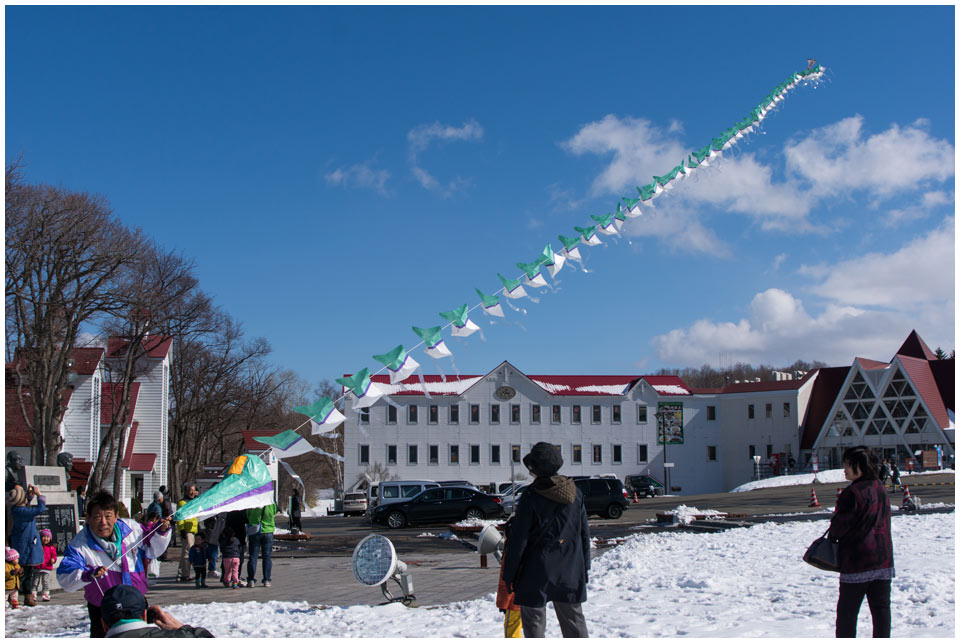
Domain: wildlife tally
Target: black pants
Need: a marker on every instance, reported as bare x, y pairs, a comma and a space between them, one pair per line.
848, 608
96, 627
200, 575
26, 581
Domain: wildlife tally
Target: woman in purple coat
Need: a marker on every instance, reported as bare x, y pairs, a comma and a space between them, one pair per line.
861, 526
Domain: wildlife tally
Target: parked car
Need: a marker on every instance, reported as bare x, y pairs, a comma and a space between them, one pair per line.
457, 483
646, 486
354, 503
511, 495
603, 496
441, 504
392, 491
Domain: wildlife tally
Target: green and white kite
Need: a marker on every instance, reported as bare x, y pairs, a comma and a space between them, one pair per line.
289, 444
512, 288
588, 235
489, 304
246, 485
433, 341
399, 363
552, 262
365, 392
460, 324
532, 276
323, 415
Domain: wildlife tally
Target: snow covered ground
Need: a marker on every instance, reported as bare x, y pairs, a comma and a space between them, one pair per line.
739, 583
831, 476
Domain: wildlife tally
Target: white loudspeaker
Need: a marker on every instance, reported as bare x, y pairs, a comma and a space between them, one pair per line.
490, 541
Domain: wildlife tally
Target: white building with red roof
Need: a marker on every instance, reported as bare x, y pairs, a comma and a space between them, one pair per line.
91, 400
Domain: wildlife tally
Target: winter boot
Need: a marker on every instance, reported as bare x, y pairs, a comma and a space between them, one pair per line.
30, 600
45, 596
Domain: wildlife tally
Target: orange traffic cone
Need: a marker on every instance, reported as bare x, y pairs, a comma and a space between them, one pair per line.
813, 499
636, 499
907, 502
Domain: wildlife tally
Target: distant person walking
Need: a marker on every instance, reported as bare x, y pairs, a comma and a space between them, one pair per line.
547, 553
295, 507
188, 532
861, 526
260, 528
894, 473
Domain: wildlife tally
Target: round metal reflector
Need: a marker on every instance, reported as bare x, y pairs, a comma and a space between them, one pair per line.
374, 560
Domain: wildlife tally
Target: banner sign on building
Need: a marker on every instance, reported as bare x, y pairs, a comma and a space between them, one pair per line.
670, 424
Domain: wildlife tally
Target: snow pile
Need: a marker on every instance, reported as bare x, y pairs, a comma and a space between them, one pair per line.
748, 582
686, 514
477, 522
830, 476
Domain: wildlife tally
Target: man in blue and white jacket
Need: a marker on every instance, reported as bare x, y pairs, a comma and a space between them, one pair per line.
107, 552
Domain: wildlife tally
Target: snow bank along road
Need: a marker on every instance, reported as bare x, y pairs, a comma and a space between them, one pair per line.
742, 582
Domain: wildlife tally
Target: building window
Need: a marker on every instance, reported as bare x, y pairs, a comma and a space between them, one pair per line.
494, 454
641, 453
597, 453
365, 416
454, 454
596, 414
364, 454
575, 414
753, 450
534, 414
750, 412
433, 414
391, 454
768, 410
434, 454
514, 414
391, 414
617, 454
474, 454
712, 453
454, 414
577, 454
515, 452
769, 450
642, 414
494, 414
555, 414
474, 414
412, 414
786, 409
411, 454
616, 414
711, 413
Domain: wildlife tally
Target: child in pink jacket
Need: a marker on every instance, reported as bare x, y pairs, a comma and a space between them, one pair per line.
41, 579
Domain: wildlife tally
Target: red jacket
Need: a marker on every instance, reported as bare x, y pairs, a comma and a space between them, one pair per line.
49, 557
861, 526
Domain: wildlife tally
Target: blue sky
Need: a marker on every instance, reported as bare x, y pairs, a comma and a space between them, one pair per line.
342, 174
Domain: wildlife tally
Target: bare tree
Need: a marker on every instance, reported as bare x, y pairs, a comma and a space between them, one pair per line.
63, 251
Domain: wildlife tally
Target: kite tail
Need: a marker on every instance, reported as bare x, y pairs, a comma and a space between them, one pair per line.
293, 475
423, 384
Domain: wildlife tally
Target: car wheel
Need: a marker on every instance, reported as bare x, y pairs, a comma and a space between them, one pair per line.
474, 514
396, 520
614, 511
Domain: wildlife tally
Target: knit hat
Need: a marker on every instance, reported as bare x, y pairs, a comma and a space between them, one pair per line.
46, 532
16, 495
543, 460
12, 555
122, 601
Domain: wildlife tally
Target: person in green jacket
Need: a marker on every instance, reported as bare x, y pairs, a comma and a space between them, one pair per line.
188, 532
260, 528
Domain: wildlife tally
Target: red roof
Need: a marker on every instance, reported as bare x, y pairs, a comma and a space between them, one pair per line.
86, 360
110, 397
918, 370
79, 474
251, 445
914, 346
142, 462
870, 364
944, 372
15, 432
825, 391
667, 384
156, 346
585, 385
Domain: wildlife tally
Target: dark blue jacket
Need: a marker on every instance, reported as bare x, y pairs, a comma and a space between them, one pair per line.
547, 553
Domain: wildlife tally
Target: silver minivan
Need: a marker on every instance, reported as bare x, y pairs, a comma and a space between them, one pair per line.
391, 491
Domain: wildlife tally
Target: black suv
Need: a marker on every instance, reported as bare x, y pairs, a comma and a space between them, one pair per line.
646, 486
602, 496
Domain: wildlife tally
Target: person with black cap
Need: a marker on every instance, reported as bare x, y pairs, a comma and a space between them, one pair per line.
125, 614
547, 554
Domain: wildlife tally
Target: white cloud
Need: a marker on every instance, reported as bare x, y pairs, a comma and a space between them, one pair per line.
423, 136
830, 162
929, 202
778, 260
840, 158
680, 229
869, 305
360, 176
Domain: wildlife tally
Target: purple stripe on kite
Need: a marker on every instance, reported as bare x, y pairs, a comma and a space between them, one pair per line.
327, 416
252, 492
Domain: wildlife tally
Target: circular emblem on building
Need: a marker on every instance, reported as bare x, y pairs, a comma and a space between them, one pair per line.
505, 393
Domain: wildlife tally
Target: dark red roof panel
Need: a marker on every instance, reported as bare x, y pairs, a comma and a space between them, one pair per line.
918, 370
914, 346
870, 364
156, 346
142, 462
251, 445
128, 447
110, 397
826, 388
945, 373
15, 431
86, 360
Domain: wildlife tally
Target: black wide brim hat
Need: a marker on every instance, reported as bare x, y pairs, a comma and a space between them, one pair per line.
543, 460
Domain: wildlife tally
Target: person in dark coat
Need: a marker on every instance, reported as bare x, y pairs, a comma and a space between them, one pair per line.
25, 538
861, 527
547, 554
295, 512
237, 522
124, 614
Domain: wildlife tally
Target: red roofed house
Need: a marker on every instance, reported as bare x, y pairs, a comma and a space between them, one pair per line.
898, 407
90, 404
